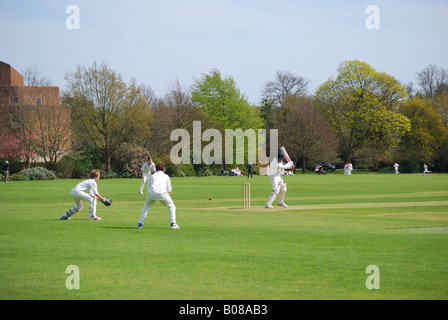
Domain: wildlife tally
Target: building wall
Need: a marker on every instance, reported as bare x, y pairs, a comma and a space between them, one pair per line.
36, 107
14, 91
9, 76
46, 96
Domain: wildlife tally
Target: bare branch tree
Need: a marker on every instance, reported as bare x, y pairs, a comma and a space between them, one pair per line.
33, 77
304, 132
148, 94
53, 136
175, 111
105, 110
285, 84
431, 79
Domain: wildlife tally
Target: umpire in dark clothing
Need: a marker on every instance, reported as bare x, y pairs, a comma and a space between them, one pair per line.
249, 170
5, 171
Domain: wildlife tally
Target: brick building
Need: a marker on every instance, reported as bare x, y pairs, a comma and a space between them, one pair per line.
33, 113
15, 92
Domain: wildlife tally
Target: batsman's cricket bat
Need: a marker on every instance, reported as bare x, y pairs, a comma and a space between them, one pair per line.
285, 154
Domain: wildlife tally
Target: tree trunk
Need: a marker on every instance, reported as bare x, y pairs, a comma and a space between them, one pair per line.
108, 163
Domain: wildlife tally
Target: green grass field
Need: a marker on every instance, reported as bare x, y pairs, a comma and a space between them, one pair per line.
317, 248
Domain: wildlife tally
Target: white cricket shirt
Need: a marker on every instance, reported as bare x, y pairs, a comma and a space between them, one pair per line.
148, 168
159, 183
275, 166
88, 186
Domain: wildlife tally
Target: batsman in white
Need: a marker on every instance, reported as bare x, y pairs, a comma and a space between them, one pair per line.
159, 190
87, 191
147, 169
278, 185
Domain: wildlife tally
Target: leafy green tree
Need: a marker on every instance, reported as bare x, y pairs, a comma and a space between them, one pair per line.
362, 106
106, 111
427, 134
267, 112
222, 102
441, 104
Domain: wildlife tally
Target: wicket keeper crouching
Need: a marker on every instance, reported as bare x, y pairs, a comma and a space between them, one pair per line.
278, 186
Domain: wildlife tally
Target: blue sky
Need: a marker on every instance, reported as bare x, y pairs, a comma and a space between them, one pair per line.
160, 42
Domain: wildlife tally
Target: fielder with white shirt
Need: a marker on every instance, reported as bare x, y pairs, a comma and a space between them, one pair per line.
278, 186
425, 169
85, 191
147, 169
159, 190
396, 165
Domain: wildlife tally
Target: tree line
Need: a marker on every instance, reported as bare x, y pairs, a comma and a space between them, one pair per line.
359, 115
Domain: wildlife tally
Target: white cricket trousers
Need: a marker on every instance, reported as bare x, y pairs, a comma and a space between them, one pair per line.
144, 179
165, 199
79, 197
278, 189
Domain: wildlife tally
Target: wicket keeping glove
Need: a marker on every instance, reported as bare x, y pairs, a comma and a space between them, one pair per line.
107, 202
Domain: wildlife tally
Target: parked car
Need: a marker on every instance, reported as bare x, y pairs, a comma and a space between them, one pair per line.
329, 166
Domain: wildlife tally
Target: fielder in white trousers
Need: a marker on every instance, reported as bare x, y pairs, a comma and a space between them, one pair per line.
159, 190
278, 185
147, 169
85, 191
396, 166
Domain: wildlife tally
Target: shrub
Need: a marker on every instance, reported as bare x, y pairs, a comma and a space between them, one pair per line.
65, 168
38, 173
187, 170
125, 175
207, 173
129, 159
173, 170
78, 165
84, 163
108, 175
17, 177
202, 170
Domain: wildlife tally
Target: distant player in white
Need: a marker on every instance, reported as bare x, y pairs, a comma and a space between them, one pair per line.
396, 165
346, 169
147, 169
87, 191
349, 169
425, 169
278, 186
159, 190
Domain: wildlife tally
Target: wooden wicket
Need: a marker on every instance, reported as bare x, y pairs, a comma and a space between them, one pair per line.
246, 195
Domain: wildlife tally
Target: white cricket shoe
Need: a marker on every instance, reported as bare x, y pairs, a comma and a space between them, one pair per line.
269, 207
96, 218
174, 226
283, 205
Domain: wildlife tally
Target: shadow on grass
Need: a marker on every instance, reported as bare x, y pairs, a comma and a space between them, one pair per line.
119, 228
135, 228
